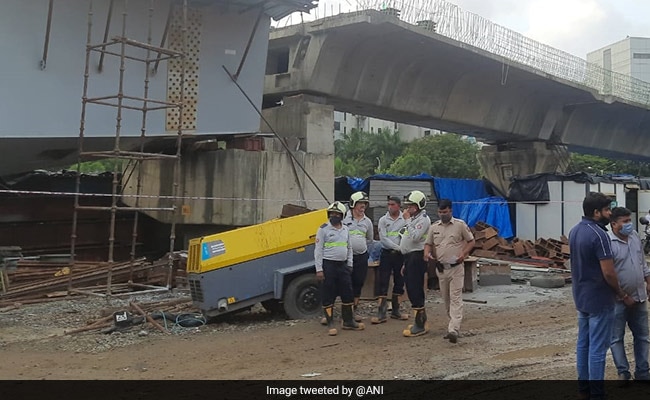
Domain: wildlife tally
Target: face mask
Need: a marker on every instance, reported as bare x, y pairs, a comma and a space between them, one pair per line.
445, 218
627, 229
335, 220
603, 221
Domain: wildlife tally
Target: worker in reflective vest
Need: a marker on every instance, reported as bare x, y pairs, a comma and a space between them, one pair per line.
333, 260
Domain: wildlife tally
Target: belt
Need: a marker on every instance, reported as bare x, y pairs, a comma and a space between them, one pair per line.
450, 266
391, 251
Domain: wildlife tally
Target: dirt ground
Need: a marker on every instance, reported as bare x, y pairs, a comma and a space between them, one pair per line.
521, 333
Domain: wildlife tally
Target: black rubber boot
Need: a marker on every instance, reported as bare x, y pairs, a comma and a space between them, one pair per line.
348, 318
395, 311
381, 311
329, 318
419, 328
357, 317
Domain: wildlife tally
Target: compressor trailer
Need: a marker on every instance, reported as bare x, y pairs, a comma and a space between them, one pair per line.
270, 263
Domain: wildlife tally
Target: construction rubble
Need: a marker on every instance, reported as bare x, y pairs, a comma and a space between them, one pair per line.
29, 280
529, 261
543, 253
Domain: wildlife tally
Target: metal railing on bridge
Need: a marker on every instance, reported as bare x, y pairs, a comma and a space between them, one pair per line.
451, 21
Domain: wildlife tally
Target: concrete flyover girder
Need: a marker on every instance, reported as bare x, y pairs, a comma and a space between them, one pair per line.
617, 130
373, 64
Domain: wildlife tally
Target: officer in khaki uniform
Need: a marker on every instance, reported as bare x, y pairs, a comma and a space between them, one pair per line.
449, 242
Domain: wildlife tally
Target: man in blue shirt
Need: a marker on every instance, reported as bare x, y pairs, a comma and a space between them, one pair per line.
595, 288
634, 277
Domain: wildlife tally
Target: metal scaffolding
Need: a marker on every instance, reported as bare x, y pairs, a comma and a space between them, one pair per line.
148, 56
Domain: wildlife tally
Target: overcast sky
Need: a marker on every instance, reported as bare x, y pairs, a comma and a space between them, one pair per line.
575, 26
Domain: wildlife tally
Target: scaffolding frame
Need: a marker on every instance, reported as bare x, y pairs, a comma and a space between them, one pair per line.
117, 47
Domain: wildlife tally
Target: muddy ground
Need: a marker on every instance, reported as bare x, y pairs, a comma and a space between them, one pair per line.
521, 333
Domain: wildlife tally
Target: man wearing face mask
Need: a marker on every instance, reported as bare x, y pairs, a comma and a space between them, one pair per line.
449, 242
634, 277
595, 289
333, 260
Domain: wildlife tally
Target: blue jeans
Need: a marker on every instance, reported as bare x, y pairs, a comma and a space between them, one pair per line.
594, 338
636, 318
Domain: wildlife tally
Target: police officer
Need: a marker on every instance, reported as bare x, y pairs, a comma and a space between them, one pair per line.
333, 258
361, 237
413, 237
449, 242
390, 261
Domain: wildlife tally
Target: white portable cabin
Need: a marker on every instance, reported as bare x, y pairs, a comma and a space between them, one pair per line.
556, 217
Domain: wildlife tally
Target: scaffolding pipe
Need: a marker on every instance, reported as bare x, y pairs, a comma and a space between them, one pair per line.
82, 128
48, 28
100, 66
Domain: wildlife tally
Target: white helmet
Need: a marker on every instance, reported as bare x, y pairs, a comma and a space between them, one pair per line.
337, 207
358, 197
416, 197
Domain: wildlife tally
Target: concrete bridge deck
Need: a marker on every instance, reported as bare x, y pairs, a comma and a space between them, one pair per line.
375, 64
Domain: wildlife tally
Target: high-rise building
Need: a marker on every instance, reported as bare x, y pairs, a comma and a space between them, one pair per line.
345, 122
630, 56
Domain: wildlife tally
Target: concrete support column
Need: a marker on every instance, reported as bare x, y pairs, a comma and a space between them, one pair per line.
228, 185
500, 162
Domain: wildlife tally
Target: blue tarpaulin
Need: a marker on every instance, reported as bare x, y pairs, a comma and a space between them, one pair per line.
492, 210
459, 189
358, 184
471, 202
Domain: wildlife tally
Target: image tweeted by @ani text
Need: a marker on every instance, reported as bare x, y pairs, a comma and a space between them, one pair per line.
345, 391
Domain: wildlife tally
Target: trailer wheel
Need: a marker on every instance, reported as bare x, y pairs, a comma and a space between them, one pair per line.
302, 297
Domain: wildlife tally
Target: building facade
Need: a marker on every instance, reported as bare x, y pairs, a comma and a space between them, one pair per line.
345, 122
630, 56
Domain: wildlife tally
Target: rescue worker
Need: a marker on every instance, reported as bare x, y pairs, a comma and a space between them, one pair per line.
333, 259
413, 236
390, 261
361, 237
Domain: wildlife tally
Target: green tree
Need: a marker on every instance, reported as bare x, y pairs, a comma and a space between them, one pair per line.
447, 155
602, 165
98, 166
360, 153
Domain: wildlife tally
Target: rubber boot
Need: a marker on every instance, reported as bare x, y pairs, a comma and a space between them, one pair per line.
329, 318
419, 328
381, 311
395, 311
357, 317
348, 318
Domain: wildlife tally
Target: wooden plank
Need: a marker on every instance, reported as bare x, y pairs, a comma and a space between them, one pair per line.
484, 253
490, 232
505, 247
489, 244
519, 249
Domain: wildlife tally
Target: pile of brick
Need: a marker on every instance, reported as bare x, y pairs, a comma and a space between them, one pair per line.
547, 253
